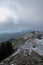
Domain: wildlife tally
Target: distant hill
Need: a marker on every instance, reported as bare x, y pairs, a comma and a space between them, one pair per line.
7, 36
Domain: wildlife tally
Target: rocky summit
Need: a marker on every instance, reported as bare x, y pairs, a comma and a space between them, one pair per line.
27, 50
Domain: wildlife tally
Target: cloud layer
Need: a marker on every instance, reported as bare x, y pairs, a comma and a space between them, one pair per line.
18, 15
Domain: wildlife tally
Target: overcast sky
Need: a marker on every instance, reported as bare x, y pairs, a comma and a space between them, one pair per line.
18, 15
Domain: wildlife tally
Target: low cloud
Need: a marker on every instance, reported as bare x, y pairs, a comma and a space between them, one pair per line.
18, 15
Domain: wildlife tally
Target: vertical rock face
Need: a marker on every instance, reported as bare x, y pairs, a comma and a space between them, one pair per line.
6, 50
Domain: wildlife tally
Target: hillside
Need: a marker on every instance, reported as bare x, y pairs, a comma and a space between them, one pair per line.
28, 50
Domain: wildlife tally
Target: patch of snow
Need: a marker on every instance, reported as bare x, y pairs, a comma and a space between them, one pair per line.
12, 64
38, 46
40, 42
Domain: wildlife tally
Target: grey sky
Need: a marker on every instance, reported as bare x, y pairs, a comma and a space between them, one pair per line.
18, 15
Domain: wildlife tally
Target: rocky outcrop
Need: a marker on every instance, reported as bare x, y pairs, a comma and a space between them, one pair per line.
24, 59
